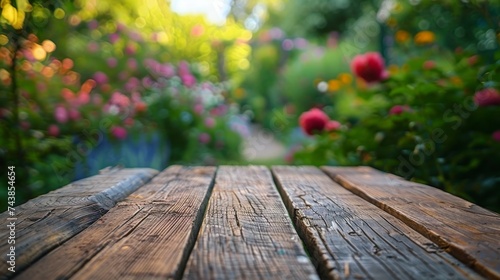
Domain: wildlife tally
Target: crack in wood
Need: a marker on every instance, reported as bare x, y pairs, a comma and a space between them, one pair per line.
354, 234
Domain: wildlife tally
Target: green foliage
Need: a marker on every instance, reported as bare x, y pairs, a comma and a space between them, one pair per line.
469, 25
319, 17
313, 66
442, 138
261, 78
183, 120
99, 79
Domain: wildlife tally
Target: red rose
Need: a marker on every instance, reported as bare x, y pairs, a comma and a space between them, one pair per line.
429, 64
369, 67
140, 107
313, 121
61, 114
487, 97
496, 135
399, 109
53, 130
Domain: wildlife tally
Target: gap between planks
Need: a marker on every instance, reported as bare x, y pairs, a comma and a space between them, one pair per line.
468, 232
350, 238
247, 233
49, 220
148, 235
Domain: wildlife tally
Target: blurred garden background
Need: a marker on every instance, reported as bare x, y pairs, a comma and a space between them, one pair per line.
409, 87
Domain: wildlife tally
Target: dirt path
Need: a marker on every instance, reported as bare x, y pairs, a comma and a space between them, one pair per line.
262, 146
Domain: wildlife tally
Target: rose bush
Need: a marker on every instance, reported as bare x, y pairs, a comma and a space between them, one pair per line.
429, 124
68, 107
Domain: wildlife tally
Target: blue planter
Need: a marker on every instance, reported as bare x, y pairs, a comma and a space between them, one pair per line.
145, 150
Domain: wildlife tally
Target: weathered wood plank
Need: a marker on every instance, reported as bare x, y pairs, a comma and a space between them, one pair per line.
148, 235
465, 230
351, 239
49, 220
247, 233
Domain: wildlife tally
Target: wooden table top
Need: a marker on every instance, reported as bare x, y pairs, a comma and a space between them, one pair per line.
251, 222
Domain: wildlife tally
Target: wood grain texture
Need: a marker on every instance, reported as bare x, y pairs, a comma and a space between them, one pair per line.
351, 239
147, 236
465, 230
247, 233
49, 220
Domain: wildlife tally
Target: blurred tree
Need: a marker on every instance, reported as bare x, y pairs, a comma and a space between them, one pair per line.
319, 17
18, 20
471, 25
221, 51
254, 13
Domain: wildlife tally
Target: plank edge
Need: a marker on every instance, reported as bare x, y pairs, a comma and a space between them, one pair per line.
460, 254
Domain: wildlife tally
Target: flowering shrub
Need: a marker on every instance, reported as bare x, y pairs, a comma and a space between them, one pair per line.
67, 107
430, 121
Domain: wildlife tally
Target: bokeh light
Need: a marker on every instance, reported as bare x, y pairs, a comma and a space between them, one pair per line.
38, 52
48, 46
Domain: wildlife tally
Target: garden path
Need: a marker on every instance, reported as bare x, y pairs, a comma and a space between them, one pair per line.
261, 145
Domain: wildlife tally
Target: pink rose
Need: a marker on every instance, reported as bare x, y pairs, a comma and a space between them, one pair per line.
496, 135
184, 68
147, 82
399, 109
119, 132
120, 99
166, 70
83, 98
132, 84
287, 45
313, 121
332, 125
61, 114
53, 130
204, 138
74, 114
130, 49
300, 43
369, 67
188, 80
100, 77
120, 27
209, 122
93, 24
112, 62
219, 110
487, 97
113, 38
